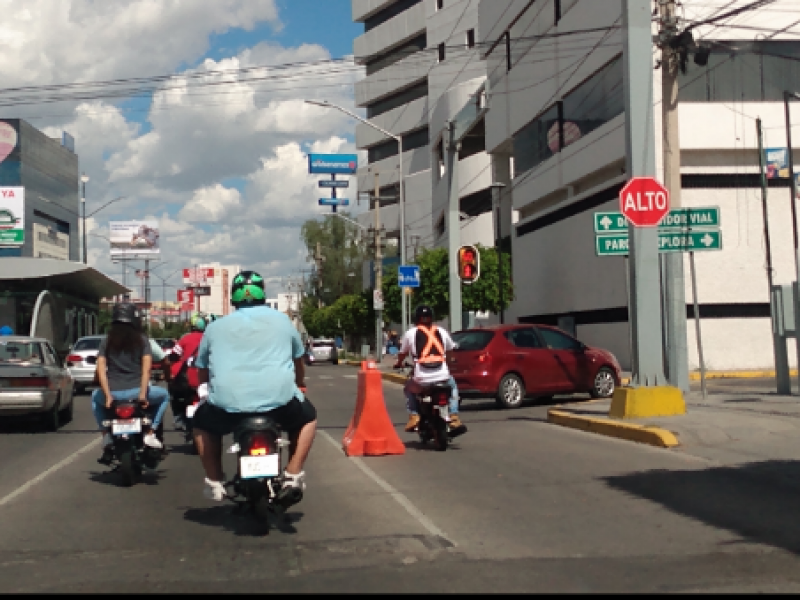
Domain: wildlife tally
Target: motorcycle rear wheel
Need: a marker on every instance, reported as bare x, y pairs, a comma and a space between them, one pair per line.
440, 437
131, 471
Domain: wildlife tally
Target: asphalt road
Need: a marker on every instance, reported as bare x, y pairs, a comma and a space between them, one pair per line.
517, 505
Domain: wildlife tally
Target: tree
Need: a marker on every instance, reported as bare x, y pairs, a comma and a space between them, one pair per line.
483, 295
344, 253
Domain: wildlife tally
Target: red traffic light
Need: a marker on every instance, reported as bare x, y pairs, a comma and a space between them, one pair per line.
468, 264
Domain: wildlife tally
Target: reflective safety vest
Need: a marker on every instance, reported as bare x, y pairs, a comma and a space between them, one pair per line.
430, 340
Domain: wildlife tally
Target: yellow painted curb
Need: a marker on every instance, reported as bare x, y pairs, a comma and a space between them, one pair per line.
394, 378
653, 436
695, 376
643, 402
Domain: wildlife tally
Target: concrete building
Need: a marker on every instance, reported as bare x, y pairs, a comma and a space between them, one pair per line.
48, 171
555, 129
423, 67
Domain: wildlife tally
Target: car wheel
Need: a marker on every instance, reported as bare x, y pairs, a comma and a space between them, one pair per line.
604, 385
511, 392
51, 420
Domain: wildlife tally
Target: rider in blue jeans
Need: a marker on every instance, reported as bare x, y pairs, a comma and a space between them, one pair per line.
123, 369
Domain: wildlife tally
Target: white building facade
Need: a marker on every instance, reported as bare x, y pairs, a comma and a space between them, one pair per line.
555, 130
219, 302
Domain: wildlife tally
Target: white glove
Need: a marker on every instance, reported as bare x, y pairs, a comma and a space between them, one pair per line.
202, 392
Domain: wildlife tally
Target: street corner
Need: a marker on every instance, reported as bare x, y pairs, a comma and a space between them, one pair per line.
645, 402
594, 421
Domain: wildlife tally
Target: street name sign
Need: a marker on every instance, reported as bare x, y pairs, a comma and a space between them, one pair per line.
333, 183
408, 276
677, 219
334, 202
685, 241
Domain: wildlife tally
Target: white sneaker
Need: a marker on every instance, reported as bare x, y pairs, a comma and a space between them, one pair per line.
151, 440
295, 481
107, 440
214, 490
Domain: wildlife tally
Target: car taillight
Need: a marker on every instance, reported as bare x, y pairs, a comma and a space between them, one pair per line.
74, 358
31, 382
126, 411
259, 445
441, 398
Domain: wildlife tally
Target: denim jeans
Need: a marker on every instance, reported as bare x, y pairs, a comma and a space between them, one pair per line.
156, 396
411, 399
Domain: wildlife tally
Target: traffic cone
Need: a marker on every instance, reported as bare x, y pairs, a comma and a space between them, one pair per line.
371, 432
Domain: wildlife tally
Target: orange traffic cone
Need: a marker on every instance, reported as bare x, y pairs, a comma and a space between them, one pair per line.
371, 432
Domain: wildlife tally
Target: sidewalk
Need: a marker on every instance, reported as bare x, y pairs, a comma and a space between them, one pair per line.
731, 425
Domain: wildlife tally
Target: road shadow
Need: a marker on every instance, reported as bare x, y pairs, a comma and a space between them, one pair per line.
115, 479
429, 447
241, 523
756, 501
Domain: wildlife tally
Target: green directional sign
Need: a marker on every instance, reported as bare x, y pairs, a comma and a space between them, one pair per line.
677, 219
686, 241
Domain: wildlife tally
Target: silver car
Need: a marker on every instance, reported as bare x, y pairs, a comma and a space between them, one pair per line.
82, 361
34, 381
324, 350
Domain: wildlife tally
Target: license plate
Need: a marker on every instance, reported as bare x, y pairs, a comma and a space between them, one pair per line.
126, 426
190, 410
259, 466
444, 412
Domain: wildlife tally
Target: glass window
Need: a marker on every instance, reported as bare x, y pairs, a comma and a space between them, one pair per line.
531, 145
399, 99
555, 340
524, 338
389, 12
21, 352
88, 344
411, 141
396, 54
50, 356
593, 103
473, 340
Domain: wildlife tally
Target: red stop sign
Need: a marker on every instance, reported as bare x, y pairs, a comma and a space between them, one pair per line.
644, 201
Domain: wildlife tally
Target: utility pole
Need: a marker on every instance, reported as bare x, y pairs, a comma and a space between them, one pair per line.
497, 189
645, 304
378, 266
674, 290
319, 259
453, 229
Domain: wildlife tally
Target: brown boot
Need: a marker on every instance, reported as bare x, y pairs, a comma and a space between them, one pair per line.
413, 421
456, 426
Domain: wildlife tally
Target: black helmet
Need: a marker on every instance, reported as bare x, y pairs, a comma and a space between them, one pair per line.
248, 289
125, 312
423, 314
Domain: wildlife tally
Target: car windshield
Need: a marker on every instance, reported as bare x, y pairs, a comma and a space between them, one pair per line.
473, 340
20, 352
88, 344
323, 344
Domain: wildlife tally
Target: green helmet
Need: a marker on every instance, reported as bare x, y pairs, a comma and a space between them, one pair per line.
198, 322
248, 289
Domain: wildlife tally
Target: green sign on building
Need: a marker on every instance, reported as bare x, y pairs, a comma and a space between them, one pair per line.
686, 241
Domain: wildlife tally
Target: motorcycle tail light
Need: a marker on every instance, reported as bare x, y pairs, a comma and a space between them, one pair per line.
442, 398
259, 445
126, 411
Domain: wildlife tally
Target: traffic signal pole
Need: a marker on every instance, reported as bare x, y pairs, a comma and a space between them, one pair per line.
645, 303
453, 229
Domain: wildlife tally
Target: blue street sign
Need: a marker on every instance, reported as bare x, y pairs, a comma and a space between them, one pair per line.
334, 202
332, 164
408, 276
332, 183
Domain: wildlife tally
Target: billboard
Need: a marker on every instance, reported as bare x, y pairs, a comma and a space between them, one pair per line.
8, 140
333, 164
134, 238
12, 216
198, 276
777, 160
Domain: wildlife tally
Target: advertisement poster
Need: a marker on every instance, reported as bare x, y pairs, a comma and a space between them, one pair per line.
777, 161
199, 276
12, 216
134, 238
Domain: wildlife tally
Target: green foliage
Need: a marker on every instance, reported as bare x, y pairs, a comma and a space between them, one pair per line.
349, 315
483, 295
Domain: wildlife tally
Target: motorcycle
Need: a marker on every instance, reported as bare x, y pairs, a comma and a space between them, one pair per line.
188, 418
130, 455
258, 483
434, 414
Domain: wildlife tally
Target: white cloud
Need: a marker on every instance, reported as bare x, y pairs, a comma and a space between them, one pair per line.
210, 204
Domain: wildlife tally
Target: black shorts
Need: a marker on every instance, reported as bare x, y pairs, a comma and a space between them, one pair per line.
291, 417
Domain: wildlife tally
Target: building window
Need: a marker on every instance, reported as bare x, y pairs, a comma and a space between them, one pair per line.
396, 54
439, 4
594, 102
397, 100
743, 71
441, 52
557, 4
411, 141
471, 38
389, 12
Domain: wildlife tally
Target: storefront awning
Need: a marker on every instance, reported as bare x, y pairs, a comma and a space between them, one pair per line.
75, 278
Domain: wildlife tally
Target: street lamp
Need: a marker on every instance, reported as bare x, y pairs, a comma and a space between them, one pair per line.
399, 140
84, 181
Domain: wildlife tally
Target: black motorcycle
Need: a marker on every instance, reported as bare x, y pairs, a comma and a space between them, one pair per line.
258, 483
129, 455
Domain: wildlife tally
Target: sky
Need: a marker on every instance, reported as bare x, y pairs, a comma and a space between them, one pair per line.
221, 167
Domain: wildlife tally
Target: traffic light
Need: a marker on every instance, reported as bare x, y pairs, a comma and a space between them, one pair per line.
469, 264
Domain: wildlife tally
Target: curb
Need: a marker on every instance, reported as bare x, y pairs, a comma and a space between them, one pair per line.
695, 376
394, 378
653, 436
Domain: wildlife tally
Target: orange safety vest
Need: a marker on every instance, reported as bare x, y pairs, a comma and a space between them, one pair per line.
432, 346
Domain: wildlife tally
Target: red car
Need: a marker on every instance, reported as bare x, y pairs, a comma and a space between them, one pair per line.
511, 362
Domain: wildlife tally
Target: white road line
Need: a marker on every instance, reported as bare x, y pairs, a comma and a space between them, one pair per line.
324, 377
350, 376
71, 458
400, 498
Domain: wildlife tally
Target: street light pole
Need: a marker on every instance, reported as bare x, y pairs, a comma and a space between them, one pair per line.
401, 180
84, 181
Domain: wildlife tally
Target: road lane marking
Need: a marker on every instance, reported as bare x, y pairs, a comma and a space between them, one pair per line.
399, 497
350, 376
71, 458
324, 377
